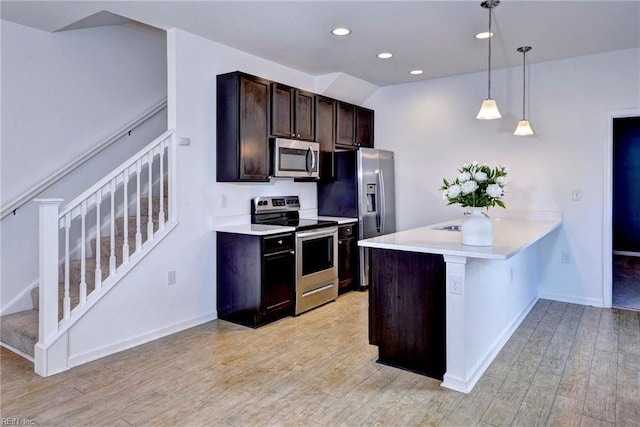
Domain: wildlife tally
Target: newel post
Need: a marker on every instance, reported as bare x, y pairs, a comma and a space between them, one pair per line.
48, 261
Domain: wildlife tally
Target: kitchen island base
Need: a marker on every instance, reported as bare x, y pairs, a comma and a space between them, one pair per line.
407, 311
484, 293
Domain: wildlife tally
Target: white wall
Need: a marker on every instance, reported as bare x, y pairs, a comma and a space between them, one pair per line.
432, 128
147, 307
63, 93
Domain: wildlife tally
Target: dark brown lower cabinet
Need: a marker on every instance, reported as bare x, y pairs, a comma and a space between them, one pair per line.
407, 317
348, 258
255, 277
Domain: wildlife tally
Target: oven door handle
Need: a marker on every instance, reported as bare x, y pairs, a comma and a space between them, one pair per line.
326, 232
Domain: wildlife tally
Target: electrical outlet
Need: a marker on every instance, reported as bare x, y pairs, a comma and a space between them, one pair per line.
576, 195
566, 257
511, 276
223, 201
455, 285
171, 277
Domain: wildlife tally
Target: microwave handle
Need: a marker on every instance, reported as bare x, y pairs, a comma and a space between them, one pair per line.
313, 160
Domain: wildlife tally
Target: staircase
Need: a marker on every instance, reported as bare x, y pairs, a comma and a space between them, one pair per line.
109, 241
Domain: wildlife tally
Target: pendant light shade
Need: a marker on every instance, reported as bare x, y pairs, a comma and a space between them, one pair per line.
523, 128
489, 109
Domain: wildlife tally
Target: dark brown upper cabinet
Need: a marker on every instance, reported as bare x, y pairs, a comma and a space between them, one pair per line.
292, 113
354, 126
345, 125
364, 127
326, 135
242, 128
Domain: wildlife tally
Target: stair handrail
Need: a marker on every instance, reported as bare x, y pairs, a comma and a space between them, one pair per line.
29, 195
113, 174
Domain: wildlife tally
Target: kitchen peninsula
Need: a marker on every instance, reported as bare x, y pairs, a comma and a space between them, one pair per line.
444, 309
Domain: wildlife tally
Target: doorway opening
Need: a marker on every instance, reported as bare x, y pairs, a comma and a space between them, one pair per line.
625, 213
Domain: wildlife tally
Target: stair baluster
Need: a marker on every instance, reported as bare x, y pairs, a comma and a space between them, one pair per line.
112, 233
66, 300
161, 216
150, 198
138, 202
83, 255
125, 228
97, 254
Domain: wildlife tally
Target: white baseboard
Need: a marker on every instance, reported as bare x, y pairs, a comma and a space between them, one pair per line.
572, 299
80, 359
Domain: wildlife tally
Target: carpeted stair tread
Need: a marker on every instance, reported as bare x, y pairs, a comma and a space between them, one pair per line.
105, 249
75, 269
155, 206
133, 225
74, 296
20, 330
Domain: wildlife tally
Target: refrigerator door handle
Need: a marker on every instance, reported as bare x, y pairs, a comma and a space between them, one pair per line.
379, 201
382, 201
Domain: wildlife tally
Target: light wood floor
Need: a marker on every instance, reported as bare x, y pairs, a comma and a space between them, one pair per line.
565, 365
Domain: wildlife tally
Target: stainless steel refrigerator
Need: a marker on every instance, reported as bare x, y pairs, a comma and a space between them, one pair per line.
364, 188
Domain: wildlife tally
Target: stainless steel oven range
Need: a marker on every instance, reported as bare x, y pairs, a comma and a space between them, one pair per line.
316, 249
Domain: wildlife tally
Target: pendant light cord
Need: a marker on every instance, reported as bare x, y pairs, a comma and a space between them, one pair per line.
490, 37
524, 54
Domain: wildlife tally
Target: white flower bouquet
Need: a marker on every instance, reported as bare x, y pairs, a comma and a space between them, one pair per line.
476, 186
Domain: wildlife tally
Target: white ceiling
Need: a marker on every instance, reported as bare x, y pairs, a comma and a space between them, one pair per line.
436, 36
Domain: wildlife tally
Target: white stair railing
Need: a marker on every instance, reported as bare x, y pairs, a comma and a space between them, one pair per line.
75, 234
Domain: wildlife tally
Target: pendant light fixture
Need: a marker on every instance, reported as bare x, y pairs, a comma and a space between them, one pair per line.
524, 128
489, 108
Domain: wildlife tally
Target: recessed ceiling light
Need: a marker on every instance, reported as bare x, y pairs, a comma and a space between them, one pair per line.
484, 35
385, 55
341, 31
416, 72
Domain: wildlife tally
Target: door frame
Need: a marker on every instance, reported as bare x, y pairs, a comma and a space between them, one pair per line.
607, 232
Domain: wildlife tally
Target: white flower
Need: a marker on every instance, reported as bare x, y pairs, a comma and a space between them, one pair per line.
480, 176
494, 190
464, 176
469, 187
474, 163
501, 180
453, 191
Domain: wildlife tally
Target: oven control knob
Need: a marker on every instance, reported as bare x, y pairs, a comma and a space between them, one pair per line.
280, 241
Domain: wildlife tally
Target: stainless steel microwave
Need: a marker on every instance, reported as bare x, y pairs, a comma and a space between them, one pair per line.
295, 159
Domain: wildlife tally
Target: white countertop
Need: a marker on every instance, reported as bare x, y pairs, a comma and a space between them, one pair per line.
509, 237
340, 219
255, 229
265, 230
